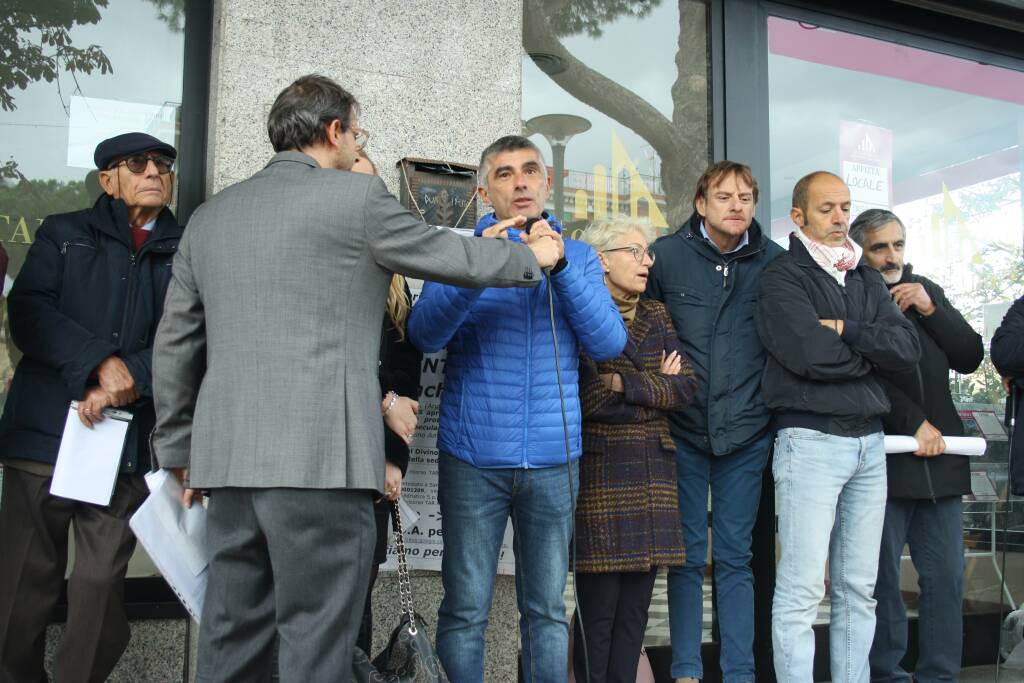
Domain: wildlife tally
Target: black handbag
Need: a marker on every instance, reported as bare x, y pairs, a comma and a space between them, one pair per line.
409, 656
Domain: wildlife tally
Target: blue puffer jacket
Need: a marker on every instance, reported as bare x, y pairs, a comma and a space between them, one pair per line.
500, 405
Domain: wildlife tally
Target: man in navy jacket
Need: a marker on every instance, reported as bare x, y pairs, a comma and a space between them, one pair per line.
707, 273
502, 445
83, 311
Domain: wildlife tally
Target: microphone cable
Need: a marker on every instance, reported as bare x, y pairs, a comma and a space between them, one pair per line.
568, 469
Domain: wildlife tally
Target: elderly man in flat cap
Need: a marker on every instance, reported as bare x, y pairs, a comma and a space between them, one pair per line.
83, 311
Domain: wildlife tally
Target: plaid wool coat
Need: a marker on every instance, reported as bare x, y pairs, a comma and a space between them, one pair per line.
627, 512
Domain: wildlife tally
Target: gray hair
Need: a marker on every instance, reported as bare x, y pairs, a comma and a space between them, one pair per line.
872, 220
509, 143
301, 112
604, 233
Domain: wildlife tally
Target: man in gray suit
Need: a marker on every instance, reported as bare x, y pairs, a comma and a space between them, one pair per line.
264, 378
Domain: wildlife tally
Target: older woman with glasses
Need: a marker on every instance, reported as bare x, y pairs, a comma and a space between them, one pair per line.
627, 515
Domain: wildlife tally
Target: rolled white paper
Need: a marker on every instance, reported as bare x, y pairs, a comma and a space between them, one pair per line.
956, 445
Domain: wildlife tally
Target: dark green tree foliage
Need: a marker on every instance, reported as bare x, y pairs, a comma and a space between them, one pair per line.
39, 199
587, 16
35, 43
172, 13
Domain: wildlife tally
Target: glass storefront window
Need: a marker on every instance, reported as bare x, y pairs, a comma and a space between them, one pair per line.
937, 140
49, 128
617, 98
620, 98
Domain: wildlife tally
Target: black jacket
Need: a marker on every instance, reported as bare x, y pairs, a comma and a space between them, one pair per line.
711, 298
399, 371
84, 294
947, 342
1008, 357
815, 378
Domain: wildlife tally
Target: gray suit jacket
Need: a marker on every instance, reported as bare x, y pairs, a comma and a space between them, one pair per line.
265, 360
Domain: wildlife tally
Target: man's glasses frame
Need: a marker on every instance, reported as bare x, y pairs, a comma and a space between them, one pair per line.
637, 251
138, 163
362, 137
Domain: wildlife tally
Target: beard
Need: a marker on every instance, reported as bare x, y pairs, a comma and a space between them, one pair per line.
892, 276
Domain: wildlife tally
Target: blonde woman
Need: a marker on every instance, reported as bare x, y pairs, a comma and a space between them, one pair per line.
627, 513
399, 385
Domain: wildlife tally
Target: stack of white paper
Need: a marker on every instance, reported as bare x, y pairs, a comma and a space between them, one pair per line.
956, 445
88, 459
175, 539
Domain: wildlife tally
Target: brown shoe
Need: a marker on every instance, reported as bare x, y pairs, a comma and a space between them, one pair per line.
687, 680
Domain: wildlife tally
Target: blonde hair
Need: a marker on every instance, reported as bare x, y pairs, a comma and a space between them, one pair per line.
603, 234
398, 304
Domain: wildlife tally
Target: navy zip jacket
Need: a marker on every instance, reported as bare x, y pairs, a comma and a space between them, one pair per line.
82, 295
500, 406
711, 297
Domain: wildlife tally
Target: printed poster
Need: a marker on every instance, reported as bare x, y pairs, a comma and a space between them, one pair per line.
865, 158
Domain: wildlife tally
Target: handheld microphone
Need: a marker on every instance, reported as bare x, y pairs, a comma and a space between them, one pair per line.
527, 226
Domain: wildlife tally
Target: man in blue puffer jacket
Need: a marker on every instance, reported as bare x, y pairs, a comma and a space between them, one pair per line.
501, 441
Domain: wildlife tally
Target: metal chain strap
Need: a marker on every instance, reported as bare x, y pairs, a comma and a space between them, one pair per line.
404, 587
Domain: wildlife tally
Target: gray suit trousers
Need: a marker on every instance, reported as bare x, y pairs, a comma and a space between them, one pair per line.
288, 562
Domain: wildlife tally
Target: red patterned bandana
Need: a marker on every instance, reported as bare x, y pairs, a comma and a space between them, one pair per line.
833, 260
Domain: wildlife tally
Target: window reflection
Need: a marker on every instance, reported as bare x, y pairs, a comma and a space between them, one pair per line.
637, 73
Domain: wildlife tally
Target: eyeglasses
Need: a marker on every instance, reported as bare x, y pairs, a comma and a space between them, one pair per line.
362, 136
137, 163
637, 251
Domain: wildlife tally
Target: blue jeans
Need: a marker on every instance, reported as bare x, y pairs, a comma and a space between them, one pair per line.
935, 533
830, 498
475, 506
735, 482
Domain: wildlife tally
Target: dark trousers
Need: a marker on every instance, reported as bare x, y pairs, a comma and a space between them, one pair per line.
290, 563
614, 610
382, 518
934, 532
34, 538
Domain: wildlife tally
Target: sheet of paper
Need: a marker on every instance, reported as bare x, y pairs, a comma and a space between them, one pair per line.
957, 445
175, 539
900, 444
88, 459
409, 515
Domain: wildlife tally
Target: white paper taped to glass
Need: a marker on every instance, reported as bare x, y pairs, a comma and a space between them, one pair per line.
88, 459
175, 539
955, 445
